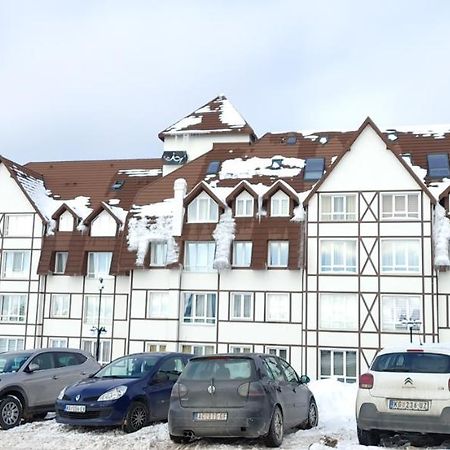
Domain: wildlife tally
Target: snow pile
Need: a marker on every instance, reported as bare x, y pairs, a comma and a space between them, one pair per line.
141, 172
441, 237
79, 205
299, 214
248, 168
224, 235
229, 115
118, 212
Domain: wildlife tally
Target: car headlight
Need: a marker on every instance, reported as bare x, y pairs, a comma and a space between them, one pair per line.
113, 394
61, 394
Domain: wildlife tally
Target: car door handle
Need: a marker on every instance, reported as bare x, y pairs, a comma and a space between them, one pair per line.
83, 373
278, 388
54, 377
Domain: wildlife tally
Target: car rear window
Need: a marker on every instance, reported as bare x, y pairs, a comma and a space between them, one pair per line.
220, 369
416, 362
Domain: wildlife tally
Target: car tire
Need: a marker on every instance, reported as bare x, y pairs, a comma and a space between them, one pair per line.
11, 412
136, 418
368, 437
313, 416
274, 437
179, 439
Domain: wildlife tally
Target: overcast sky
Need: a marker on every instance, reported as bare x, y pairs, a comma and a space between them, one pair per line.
92, 79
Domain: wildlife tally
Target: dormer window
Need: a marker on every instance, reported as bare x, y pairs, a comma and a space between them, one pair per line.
280, 204
66, 221
203, 209
244, 206
103, 225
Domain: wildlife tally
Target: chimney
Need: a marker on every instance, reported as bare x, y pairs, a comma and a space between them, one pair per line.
179, 192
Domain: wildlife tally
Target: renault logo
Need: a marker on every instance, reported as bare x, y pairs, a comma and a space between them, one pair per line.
211, 389
408, 381
77, 398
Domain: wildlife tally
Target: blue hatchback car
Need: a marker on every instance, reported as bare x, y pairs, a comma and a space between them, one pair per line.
129, 392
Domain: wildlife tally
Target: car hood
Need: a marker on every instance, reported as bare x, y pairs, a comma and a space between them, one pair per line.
92, 388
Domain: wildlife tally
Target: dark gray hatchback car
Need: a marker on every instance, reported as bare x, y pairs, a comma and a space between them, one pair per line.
240, 395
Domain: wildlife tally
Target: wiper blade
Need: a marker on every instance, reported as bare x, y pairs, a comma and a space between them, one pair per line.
398, 369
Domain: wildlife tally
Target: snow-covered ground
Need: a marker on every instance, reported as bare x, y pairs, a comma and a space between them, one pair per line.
336, 421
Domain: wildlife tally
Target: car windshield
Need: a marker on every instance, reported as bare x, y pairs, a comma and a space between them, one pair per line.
416, 362
220, 368
133, 366
12, 362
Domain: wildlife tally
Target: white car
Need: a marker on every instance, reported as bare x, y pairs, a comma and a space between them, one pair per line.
407, 389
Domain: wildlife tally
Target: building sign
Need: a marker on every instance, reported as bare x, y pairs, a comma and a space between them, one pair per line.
174, 157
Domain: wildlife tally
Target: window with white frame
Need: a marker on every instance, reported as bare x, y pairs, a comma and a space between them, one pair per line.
10, 344
240, 349
59, 306
400, 206
158, 254
340, 364
282, 352
90, 346
158, 304
244, 205
241, 306
57, 343
338, 311
66, 221
18, 225
242, 253
203, 209
198, 350
199, 256
60, 262
400, 255
279, 204
91, 310
337, 207
338, 255
152, 347
278, 253
401, 312
277, 307
12, 307
15, 263
199, 308
99, 264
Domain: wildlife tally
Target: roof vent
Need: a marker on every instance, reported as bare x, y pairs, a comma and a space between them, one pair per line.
117, 185
276, 163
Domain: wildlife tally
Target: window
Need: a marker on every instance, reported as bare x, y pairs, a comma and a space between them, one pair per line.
118, 185
199, 308
16, 264
273, 369
199, 256
278, 253
172, 368
198, 350
63, 359
289, 372
240, 349
417, 362
90, 346
291, 140
99, 264
60, 262
337, 207
90, 314
158, 304
438, 166
203, 209
66, 221
18, 225
59, 305
338, 363
11, 344
44, 361
12, 308
158, 254
279, 204
338, 255
400, 206
314, 169
244, 206
282, 352
338, 311
213, 168
151, 347
277, 307
242, 253
401, 312
401, 255
241, 306
57, 343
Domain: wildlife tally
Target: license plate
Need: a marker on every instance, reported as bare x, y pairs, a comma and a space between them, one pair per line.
409, 405
75, 408
205, 416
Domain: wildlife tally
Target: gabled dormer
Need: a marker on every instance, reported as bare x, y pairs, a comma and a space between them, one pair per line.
243, 200
203, 205
102, 222
66, 218
280, 200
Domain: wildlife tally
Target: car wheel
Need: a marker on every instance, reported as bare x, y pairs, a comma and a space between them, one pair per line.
313, 416
274, 437
368, 437
11, 411
179, 439
136, 418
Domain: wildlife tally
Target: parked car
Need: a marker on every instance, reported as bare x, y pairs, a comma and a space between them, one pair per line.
129, 392
405, 390
240, 395
30, 381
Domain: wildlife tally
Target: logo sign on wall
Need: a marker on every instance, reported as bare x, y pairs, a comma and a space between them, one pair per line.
174, 158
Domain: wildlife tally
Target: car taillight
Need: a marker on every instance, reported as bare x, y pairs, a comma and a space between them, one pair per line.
366, 381
179, 390
250, 390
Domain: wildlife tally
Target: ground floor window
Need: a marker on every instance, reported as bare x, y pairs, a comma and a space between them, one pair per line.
282, 352
340, 364
90, 345
8, 344
240, 349
198, 349
155, 347
58, 343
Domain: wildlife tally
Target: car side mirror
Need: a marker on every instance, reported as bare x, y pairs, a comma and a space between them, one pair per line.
304, 379
160, 377
32, 367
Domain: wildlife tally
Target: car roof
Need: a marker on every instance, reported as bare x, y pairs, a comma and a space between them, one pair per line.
443, 348
233, 355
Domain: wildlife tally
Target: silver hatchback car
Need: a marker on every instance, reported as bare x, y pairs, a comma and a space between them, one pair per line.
30, 381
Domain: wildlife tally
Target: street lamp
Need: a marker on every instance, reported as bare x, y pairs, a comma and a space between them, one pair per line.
99, 329
412, 324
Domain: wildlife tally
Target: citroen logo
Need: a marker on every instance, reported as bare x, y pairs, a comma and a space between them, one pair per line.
408, 381
211, 389
77, 398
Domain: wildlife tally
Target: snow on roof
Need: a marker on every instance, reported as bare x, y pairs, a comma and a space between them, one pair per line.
117, 211
79, 205
141, 172
186, 122
435, 131
229, 115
